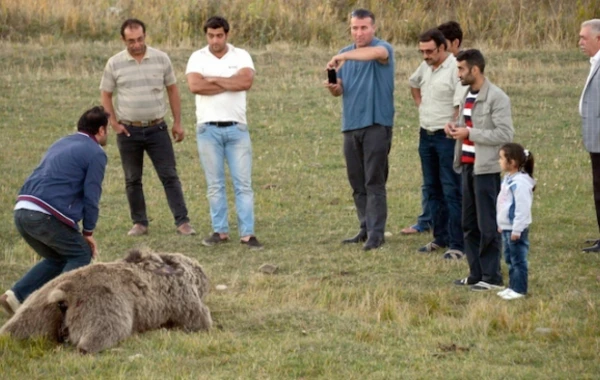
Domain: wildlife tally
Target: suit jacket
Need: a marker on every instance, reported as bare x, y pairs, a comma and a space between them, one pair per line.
590, 111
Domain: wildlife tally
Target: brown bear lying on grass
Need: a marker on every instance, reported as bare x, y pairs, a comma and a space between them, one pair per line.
97, 306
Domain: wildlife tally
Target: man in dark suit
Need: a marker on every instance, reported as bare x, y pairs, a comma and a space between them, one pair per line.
589, 109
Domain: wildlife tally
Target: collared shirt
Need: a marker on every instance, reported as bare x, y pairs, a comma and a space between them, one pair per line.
441, 92
595, 60
140, 86
368, 90
228, 105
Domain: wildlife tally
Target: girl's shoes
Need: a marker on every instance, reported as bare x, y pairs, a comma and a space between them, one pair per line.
509, 294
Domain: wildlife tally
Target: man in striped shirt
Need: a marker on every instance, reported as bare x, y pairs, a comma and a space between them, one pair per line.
485, 124
140, 75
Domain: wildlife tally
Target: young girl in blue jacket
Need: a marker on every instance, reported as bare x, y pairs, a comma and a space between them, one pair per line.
513, 210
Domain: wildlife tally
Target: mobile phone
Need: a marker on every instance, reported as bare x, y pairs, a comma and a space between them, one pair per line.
331, 76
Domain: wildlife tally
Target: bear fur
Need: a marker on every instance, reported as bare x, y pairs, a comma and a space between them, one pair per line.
99, 305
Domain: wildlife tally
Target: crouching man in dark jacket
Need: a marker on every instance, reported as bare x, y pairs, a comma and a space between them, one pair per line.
64, 189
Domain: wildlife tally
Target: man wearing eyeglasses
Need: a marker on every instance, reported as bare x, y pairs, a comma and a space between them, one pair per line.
437, 92
454, 36
365, 80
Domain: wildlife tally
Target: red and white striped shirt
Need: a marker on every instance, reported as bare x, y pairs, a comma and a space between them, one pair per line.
468, 148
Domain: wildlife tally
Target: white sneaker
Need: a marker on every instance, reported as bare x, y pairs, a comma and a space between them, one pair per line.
9, 302
512, 295
502, 292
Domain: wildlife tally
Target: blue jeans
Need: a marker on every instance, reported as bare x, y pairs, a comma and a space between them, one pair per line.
232, 144
442, 185
62, 249
424, 220
156, 142
515, 255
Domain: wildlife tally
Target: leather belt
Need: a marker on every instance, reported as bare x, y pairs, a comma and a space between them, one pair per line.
432, 133
222, 123
142, 124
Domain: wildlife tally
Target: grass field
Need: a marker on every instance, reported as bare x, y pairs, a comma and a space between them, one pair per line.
331, 311
503, 23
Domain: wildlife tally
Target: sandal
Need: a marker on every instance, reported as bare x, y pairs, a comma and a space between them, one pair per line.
414, 229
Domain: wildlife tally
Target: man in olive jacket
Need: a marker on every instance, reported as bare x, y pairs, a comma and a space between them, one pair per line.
485, 124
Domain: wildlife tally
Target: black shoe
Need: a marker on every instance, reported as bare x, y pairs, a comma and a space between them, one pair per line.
359, 238
214, 239
464, 282
483, 286
373, 243
593, 248
430, 247
252, 243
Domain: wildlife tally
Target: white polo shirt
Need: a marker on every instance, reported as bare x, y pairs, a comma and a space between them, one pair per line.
226, 106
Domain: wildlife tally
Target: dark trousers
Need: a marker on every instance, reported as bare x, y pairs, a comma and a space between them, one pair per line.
482, 240
442, 188
366, 151
61, 247
157, 143
595, 157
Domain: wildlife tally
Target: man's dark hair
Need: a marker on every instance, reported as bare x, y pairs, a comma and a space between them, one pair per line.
362, 13
433, 35
216, 22
452, 31
92, 119
132, 23
473, 58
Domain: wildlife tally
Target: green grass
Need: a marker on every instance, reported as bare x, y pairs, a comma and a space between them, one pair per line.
503, 23
330, 311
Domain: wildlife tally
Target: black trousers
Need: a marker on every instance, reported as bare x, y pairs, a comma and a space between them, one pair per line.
483, 242
157, 143
366, 151
595, 157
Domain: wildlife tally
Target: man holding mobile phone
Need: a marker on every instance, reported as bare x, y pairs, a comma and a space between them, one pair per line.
365, 80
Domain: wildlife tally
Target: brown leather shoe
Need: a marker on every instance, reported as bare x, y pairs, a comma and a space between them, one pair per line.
185, 229
138, 230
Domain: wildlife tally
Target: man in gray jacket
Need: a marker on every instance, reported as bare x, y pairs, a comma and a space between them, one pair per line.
589, 109
485, 124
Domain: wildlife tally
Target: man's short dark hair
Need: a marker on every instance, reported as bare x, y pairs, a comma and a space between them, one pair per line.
473, 57
452, 31
92, 119
216, 22
362, 13
433, 35
132, 23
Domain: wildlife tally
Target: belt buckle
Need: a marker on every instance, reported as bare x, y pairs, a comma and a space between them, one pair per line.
145, 123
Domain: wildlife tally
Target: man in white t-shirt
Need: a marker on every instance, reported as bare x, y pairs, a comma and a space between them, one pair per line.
220, 74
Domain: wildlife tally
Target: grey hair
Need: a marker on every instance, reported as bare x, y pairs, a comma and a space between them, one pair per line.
593, 24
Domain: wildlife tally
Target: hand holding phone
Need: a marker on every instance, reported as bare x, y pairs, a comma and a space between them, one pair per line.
331, 76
